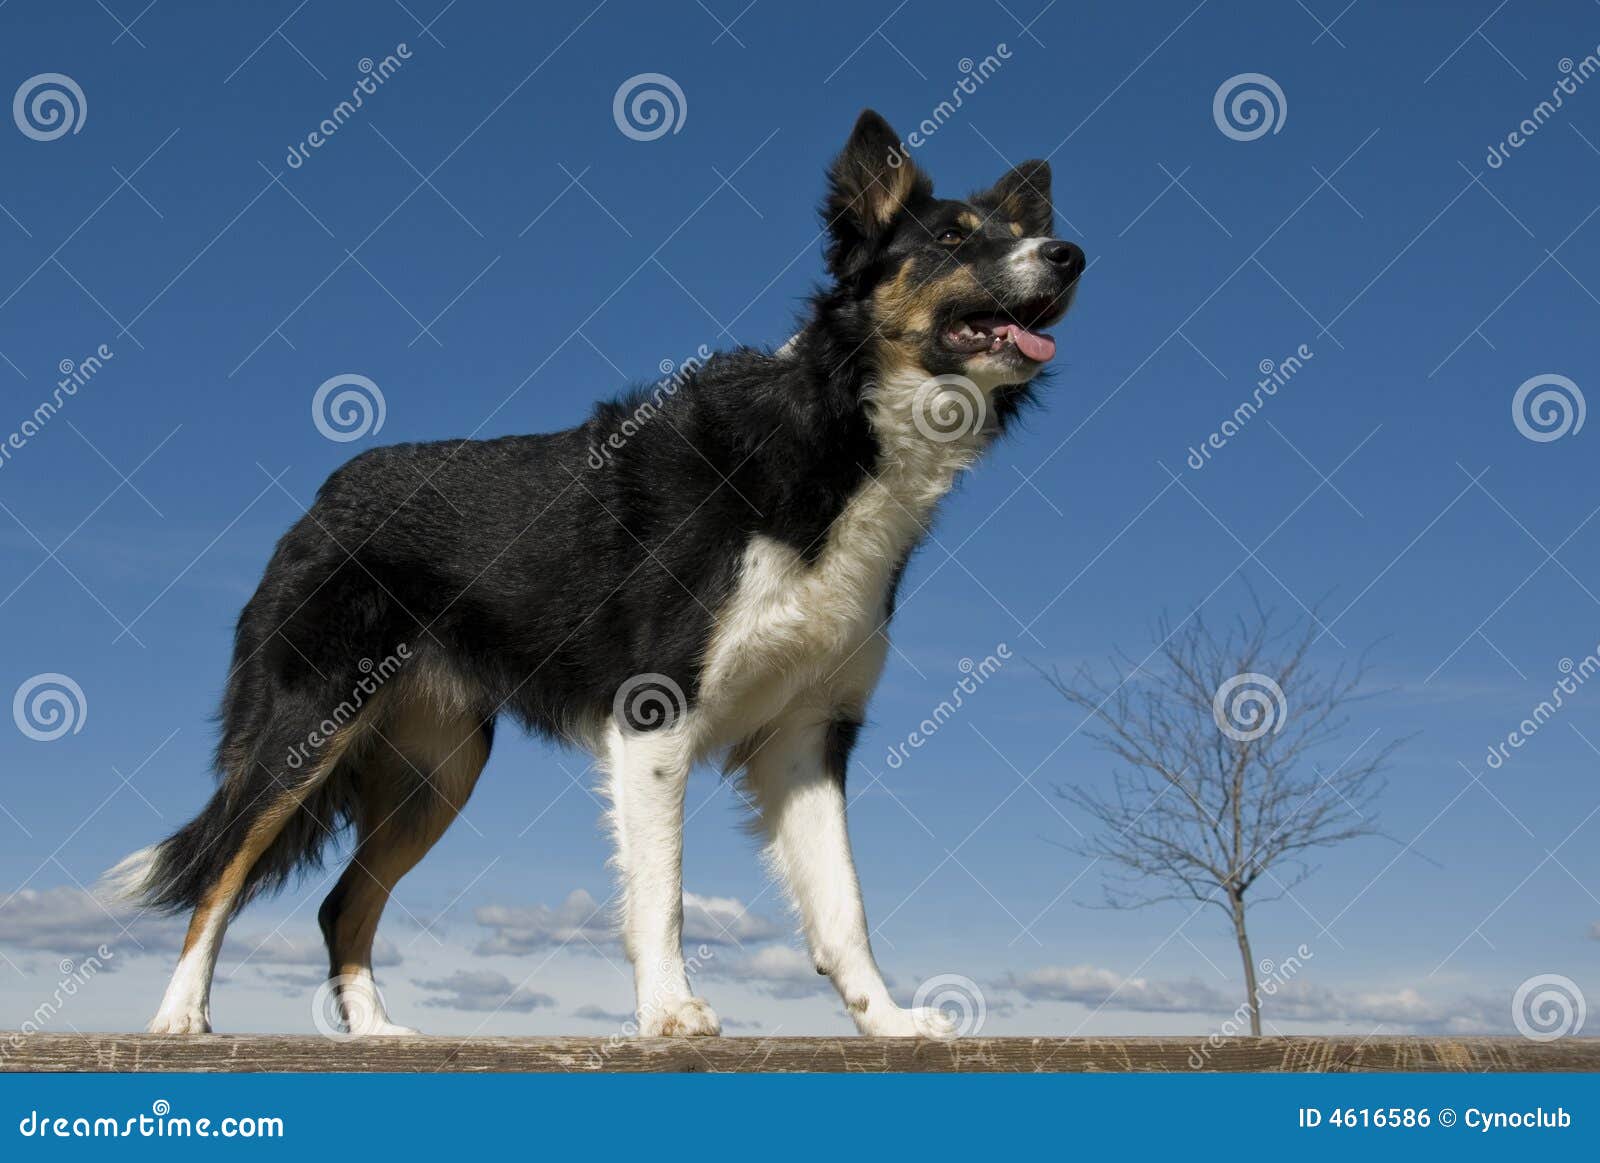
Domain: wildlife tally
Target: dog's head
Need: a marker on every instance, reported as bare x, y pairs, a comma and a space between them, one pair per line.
952, 287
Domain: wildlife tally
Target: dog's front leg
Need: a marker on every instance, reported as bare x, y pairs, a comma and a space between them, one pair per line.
802, 802
647, 774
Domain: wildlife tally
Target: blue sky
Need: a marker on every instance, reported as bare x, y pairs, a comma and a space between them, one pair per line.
484, 243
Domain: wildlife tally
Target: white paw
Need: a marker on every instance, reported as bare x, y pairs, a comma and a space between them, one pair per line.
690, 1017
384, 1029
922, 1022
180, 1022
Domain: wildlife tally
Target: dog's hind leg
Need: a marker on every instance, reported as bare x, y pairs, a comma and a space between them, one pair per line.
412, 779
647, 775
796, 774
221, 848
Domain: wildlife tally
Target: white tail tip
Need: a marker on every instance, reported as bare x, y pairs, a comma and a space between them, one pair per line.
128, 880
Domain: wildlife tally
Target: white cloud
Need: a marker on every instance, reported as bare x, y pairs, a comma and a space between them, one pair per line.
279, 948
723, 920
779, 971
1293, 1001
579, 922
483, 991
69, 920
583, 924
1094, 987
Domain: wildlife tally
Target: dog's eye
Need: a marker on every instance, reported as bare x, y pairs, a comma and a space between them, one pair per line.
952, 238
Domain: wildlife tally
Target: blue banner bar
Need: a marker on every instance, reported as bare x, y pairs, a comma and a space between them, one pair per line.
815, 1118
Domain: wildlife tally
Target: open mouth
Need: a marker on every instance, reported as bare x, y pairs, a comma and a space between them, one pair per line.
1007, 332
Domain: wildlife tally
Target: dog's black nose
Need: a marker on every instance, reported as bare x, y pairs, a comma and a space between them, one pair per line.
1068, 257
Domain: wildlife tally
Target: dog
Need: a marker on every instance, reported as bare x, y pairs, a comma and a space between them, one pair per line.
702, 571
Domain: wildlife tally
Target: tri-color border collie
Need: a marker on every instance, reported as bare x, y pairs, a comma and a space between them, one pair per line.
718, 586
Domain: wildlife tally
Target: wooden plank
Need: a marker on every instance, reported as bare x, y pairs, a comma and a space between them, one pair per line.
247, 1052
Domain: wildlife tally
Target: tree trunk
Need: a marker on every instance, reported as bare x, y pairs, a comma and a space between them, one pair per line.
1252, 994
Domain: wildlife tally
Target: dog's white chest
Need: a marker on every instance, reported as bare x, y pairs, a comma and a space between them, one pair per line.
792, 626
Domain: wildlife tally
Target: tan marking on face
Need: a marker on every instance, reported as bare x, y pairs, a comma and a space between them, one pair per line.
969, 221
1015, 228
908, 304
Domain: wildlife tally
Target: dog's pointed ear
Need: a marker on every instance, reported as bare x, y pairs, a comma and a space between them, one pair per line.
871, 180
1023, 197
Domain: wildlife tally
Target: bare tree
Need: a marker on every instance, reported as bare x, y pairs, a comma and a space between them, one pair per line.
1216, 788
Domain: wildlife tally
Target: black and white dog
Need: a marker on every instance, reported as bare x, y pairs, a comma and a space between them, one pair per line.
703, 571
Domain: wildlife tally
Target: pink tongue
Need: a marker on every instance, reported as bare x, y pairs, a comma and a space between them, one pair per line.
1039, 348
